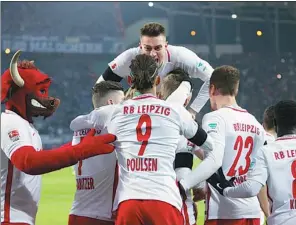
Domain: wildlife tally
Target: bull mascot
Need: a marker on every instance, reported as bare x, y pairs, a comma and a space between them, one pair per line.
25, 94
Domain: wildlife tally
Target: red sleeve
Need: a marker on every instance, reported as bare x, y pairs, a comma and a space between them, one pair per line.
33, 162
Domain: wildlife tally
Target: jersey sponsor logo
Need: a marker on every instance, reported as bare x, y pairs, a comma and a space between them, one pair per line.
201, 66
14, 135
253, 163
113, 66
213, 125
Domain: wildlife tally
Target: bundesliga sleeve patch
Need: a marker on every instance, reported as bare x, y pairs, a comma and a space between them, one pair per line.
14, 135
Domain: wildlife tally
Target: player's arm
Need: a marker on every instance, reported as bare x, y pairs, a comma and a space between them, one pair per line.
214, 127
263, 200
119, 67
197, 68
23, 155
256, 179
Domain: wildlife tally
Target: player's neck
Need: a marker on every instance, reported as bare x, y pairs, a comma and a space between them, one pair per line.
149, 91
226, 101
272, 132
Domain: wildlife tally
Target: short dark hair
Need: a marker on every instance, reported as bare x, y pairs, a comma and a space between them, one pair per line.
173, 80
152, 30
143, 72
268, 118
226, 80
104, 87
285, 114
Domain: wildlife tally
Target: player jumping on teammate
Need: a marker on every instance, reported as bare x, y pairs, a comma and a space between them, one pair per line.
168, 57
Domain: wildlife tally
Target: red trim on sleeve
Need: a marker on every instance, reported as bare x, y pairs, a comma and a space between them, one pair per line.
8, 193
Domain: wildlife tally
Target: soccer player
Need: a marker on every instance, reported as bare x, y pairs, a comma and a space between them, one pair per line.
24, 90
237, 135
147, 131
275, 165
95, 177
268, 125
186, 149
153, 42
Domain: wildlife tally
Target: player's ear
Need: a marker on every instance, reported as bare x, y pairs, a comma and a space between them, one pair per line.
157, 80
110, 102
211, 90
166, 44
187, 100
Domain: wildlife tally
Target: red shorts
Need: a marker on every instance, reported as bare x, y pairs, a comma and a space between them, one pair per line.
2, 223
82, 220
143, 212
234, 222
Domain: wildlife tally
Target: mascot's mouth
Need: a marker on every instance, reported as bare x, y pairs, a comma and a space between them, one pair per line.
36, 104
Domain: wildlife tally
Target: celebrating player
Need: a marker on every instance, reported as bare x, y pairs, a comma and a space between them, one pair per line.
268, 125
95, 177
237, 135
275, 165
185, 149
153, 42
147, 131
25, 93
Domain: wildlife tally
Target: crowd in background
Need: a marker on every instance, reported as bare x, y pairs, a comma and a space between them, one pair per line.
74, 75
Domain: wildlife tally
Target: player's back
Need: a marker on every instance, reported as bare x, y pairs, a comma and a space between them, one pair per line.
148, 131
20, 192
281, 183
95, 179
243, 136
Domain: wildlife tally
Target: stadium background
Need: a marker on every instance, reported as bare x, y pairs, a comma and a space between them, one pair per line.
73, 42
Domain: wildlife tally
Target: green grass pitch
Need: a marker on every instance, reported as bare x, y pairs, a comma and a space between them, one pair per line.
57, 194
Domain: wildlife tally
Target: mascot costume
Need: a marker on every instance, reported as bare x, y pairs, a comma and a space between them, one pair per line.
25, 94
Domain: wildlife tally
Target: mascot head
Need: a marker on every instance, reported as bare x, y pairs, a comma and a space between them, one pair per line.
25, 90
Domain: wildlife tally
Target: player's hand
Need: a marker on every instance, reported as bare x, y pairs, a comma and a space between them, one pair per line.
92, 145
219, 182
182, 191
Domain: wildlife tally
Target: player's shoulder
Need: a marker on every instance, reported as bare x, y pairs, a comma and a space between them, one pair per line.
219, 114
10, 119
180, 53
131, 52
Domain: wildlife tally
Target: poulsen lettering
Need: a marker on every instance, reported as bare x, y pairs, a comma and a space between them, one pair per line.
142, 164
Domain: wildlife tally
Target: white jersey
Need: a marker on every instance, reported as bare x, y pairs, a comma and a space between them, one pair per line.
95, 182
177, 56
269, 137
147, 131
242, 136
276, 166
20, 192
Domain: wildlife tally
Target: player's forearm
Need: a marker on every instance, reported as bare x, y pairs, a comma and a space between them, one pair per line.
204, 170
263, 200
201, 98
33, 162
247, 189
180, 95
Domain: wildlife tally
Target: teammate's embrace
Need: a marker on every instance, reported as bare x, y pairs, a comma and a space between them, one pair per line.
96, 177
237, 135
147, 130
